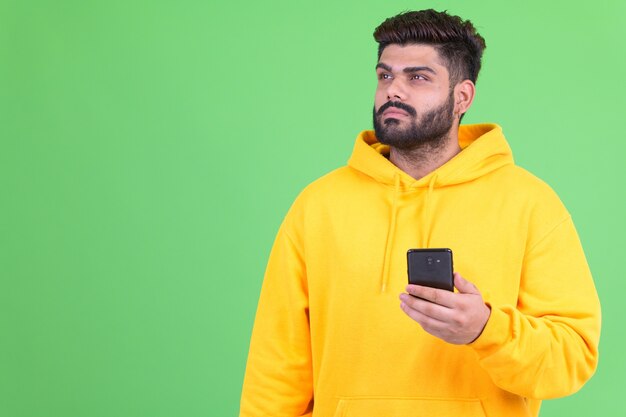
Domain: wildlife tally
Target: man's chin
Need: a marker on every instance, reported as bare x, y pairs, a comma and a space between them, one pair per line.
394, 129
391, 128
394, 138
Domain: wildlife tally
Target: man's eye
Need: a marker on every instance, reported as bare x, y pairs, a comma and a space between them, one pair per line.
417, 77
384, 76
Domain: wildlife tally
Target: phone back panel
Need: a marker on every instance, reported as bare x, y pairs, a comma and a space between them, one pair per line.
431, 268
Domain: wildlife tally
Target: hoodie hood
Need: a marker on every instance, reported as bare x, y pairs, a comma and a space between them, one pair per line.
483, 150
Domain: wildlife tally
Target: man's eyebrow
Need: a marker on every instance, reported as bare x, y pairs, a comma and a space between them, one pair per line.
417, 69
407, 69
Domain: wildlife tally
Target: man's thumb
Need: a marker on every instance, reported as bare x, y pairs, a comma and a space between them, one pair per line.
463, 285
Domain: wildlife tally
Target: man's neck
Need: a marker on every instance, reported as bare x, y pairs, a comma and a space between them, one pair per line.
421, 161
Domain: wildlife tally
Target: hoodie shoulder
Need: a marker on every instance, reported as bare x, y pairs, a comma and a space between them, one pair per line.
330, 184
319, 197
526, 189
523, 180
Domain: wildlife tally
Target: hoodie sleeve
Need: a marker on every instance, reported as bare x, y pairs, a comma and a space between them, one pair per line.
278, 379
547, 345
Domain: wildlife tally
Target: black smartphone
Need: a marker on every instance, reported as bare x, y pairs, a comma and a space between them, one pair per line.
431, 268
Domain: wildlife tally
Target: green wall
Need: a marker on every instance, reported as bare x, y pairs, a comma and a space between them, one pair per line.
149, 149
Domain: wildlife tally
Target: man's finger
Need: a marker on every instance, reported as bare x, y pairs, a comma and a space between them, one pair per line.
434, 295
428, 323
427, 308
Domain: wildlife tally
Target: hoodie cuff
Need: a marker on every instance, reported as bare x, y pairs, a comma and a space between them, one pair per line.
495, 333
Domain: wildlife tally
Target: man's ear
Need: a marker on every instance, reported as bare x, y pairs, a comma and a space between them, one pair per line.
463, 96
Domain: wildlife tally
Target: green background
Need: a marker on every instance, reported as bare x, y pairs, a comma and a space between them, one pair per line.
149, 150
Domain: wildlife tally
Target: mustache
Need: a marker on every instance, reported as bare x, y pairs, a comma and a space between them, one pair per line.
398, 104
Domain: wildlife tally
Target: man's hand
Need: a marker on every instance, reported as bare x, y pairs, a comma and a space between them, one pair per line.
457, 318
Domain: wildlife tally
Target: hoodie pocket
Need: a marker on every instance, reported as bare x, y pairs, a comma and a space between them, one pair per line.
408, 407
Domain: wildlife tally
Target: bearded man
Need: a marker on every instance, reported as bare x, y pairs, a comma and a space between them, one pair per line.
338, 331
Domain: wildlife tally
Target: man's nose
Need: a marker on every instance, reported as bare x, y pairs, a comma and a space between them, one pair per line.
396, 91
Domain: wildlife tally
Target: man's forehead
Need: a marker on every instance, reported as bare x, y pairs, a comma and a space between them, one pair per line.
398, 57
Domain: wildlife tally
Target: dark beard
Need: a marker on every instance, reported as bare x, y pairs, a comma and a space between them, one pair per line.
432, 130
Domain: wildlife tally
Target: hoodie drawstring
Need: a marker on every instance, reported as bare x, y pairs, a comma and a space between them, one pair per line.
427, 213
426, 221
390, 234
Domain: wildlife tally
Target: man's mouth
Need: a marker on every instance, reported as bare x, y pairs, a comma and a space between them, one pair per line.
394, 112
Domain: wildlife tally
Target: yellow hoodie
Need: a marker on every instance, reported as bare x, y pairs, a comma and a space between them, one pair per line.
330, 338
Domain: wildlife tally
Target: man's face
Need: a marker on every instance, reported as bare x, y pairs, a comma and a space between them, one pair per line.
414, 103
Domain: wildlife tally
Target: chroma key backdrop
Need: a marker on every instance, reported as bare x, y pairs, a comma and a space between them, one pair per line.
150, 149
